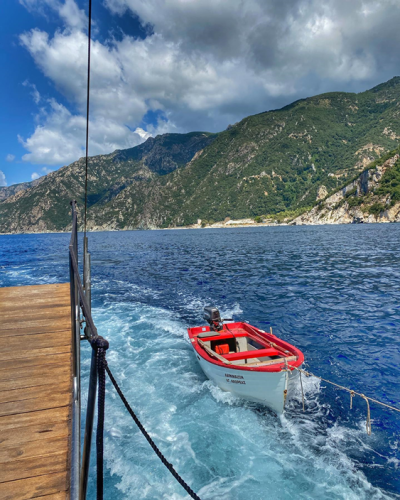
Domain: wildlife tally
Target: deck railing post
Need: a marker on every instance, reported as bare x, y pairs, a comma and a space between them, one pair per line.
75, 338
77, 334
91, 401
81, 302
87, 443
75, 438
87, 275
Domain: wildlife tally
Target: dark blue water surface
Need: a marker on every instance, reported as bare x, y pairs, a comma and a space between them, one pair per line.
333, 291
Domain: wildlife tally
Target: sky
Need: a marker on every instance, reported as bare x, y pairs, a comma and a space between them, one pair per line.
163, 66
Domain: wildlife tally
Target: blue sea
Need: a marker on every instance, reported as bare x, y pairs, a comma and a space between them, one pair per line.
333, 291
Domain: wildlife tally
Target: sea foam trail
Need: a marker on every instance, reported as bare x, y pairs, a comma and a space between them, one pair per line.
223, 447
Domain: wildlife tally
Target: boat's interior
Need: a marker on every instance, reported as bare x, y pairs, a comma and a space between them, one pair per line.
239, 347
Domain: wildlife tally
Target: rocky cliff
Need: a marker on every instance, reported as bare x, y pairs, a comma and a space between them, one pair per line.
373, 196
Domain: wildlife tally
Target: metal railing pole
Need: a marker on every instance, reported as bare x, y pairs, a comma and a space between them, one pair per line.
75, 438
75, 339
91, 401
78, 338
87, 273
87, 444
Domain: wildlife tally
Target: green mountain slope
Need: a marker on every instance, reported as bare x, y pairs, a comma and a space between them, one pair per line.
268, 163
45, 207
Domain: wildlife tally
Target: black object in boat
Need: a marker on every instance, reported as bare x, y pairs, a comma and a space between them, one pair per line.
213, 318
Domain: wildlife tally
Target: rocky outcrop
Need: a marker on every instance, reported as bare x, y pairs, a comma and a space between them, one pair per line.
322, 193
360, 201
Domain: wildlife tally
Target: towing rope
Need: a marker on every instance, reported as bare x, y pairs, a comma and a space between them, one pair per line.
101, 345
168, 465
352, 394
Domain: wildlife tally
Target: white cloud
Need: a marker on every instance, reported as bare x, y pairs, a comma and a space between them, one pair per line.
34, 91
10, 158
3, 181
35, 176
128, 79
207, 63
72, 15
68, 11
47, 170
61, 138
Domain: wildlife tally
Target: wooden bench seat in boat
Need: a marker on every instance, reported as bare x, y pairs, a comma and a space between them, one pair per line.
257, 353
206, 337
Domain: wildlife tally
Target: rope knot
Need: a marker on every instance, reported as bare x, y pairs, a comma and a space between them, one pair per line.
100, 343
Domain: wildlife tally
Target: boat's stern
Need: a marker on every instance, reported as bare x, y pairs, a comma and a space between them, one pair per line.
248, 362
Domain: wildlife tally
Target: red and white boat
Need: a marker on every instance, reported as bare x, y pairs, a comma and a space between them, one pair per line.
246, 361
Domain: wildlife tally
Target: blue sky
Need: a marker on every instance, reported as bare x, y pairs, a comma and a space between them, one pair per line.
17, 97
173, 66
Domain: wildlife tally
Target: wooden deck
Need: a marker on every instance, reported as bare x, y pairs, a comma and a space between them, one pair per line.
35, 391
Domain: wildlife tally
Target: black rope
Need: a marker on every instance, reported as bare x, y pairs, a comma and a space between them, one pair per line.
87, 109
149, 440
101, 345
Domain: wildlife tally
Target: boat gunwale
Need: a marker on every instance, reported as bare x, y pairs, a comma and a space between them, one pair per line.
250, 331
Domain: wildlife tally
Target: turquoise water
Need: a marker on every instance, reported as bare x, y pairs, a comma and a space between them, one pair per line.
331, 291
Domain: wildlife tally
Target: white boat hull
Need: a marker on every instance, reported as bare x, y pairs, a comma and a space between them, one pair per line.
267, 388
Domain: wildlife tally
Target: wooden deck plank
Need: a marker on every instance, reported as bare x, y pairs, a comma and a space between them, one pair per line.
35, 487
57, 300
36, 360
34, 466
36, 325
42, 290
50, 376
12, 304
44, 402
31, 449
34, 418
29, 353
20, 315
35, 391
46, 294
35, 341
32, 392
36, 432
32, 372
61, 495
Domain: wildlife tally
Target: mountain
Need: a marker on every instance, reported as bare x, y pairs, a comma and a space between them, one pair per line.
8, 191
373, 196
45, 206
270, 163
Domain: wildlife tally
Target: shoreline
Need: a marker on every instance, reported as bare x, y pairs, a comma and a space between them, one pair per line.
214, 226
